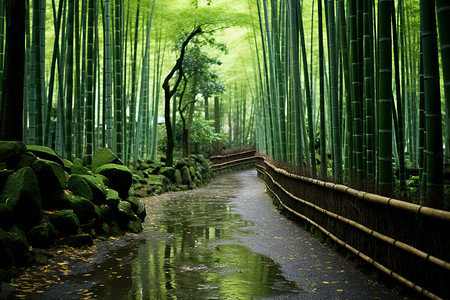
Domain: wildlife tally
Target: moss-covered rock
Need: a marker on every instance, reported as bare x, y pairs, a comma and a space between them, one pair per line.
119, 177
39, 235
25, 160
52, 180
77, 162
65, 222
180, 163
67, 164
138, 207
21, 193
104, 213
167, 171
45, 153
6, 255
83, 208
19, 245
177, 179
6, 216
10, 152
4, 174
97, 187
78, 240
185, 175
80, 187
134, 225
80, 170
112, 198
127, 218
104, 156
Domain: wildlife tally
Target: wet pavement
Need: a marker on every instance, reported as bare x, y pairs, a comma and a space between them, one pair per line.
224, 241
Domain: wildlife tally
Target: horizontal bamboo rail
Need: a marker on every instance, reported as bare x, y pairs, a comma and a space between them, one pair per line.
410, 207
373, 198
232, 163
233, 154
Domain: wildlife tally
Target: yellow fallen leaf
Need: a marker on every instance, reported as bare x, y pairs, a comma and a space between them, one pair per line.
339, 290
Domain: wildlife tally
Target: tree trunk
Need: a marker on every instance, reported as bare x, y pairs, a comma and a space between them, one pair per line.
168, 93
13, 79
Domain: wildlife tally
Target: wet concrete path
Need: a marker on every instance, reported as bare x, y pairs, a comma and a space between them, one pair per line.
224, 241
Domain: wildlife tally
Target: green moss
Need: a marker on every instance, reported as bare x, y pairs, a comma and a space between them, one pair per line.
21, 193
65, 222
80, 187
45, 153
104, 156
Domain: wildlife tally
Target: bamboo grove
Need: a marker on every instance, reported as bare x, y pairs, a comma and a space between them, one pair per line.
94, 71
361, 97
353, 90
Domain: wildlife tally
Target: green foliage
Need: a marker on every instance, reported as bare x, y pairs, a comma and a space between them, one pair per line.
203, 131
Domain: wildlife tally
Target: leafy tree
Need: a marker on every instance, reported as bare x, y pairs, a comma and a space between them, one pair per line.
199, 80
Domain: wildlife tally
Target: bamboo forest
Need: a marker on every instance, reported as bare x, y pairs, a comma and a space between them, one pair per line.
346, 89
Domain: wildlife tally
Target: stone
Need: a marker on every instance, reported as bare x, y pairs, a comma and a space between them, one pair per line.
104, 156
112, 198
19, 245
80, 187
177, 179
21, 193
138, 207
167, 171
77, 162
80, 170
134, 226
83, 208
179, 164
52, 180
185, 175
104, 212
65, 222
6, 216
45, 153
39, 235
67, 164
7, 258
97, 187
25, 160
120, 178
4, 174
10, 151
78, 240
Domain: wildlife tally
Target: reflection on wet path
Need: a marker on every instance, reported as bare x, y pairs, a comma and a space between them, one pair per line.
191, 250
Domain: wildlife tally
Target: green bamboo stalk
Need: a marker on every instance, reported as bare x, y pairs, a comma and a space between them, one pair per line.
90, 82
57, 24
134, 83
357, 107
348, 151
78, 99
118, 76
308, 93
2, 41
433, 118
69, 81
400, 116
443, 15
385, 173
368, 86
333, 65
323, 141
108, 75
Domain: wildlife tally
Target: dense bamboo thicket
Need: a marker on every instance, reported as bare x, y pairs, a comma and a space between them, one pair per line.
353, 90
379, 108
